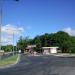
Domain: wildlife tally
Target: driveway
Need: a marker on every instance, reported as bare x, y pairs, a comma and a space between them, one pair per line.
42, 65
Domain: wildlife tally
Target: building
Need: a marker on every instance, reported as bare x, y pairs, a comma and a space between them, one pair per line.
30, 49
1, 52
48, 50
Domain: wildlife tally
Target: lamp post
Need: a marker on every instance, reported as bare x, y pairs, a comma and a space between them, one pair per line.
13, 32
14, 39
9, 30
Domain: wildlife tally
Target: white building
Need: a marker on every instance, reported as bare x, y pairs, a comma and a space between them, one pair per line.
48, 50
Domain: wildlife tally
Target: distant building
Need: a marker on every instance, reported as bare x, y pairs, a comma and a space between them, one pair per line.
1, 52
48, 50
30, 49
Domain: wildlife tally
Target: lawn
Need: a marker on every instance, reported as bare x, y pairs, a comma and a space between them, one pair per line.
9, 61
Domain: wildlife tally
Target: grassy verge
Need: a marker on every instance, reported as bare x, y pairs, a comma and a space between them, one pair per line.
9, 61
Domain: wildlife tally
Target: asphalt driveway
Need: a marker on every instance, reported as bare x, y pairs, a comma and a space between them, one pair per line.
42, 65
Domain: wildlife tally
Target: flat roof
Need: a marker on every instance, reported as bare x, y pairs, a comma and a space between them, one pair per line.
49, 47
30, 46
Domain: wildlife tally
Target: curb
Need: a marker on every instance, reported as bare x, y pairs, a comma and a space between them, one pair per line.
7, 66
64, 55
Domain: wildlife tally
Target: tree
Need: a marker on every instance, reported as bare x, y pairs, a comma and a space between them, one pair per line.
31, 42
3, 47
38, 43
60, 39
8, 48
63, 40
22, 43
73, 44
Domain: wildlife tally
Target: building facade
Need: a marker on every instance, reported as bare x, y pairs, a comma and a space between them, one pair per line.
48, 50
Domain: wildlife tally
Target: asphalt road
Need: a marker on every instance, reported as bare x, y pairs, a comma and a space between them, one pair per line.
42, 65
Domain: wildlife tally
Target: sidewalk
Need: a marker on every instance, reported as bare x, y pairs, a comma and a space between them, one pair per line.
58, 55
64, 55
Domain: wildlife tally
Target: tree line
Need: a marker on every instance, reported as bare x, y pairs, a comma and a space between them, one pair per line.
63, 40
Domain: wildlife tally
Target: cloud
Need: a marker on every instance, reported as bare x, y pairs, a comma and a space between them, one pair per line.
6, 41
10, 29
70, 31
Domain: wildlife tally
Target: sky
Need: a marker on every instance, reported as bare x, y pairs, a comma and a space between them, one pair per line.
36, 17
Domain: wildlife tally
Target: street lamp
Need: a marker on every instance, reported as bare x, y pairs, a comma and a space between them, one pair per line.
13, 32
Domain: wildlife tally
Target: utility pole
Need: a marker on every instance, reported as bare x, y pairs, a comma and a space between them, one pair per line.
16, 46
1, 11
13, 37
13, 43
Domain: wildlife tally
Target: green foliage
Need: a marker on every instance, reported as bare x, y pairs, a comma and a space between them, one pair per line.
22, 43
61, 39
7, 48
3, 47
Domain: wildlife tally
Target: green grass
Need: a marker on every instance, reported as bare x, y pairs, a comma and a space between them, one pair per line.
8, 61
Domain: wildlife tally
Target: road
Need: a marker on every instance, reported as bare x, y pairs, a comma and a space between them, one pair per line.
42, 65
